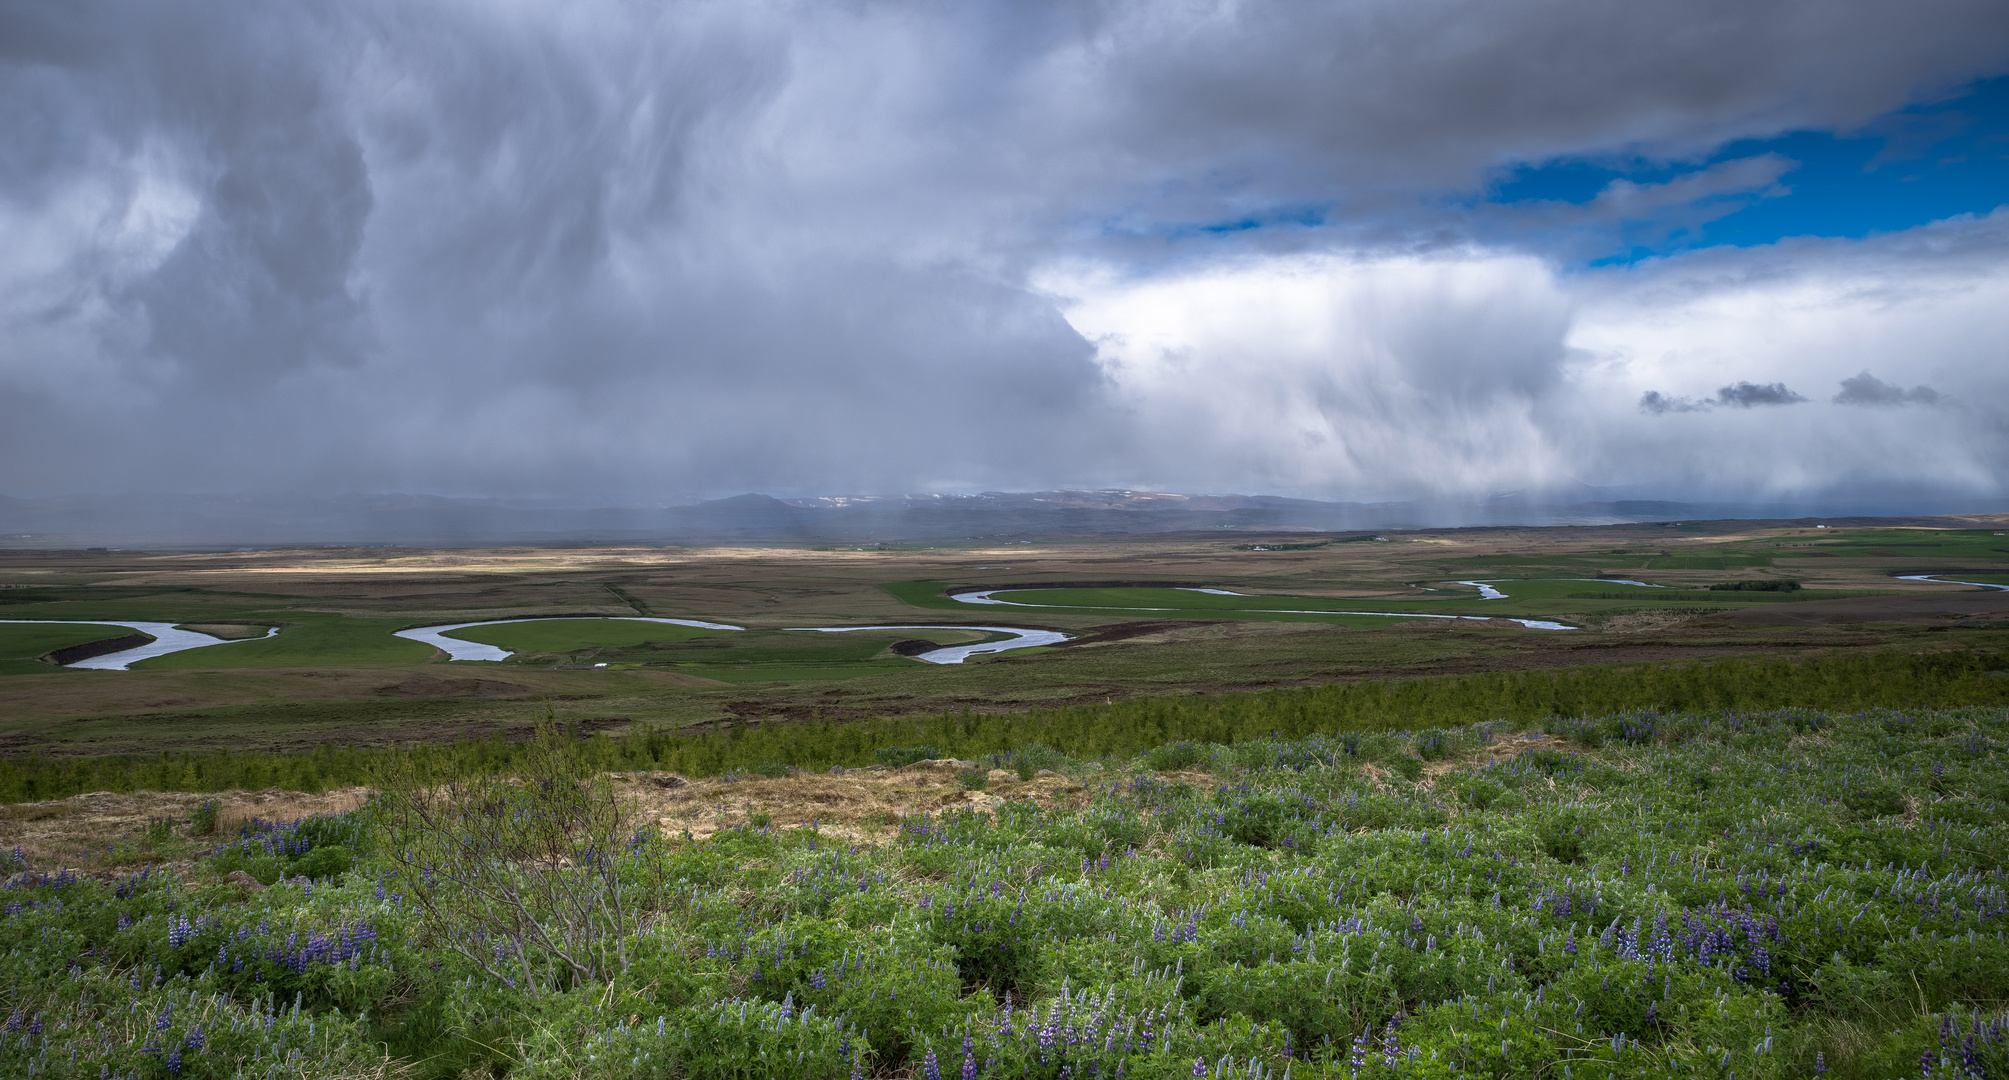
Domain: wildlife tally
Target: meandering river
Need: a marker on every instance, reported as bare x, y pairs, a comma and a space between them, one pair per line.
459, 649
956, 654
166, 639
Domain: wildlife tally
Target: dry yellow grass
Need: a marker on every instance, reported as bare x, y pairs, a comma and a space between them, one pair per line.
857, 803
68, 832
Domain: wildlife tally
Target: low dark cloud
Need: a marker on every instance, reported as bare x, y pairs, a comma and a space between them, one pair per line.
1747, 395
1739, 395
1867, 389
1658, 404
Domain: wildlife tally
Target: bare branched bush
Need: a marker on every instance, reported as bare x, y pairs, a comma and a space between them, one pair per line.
519, 873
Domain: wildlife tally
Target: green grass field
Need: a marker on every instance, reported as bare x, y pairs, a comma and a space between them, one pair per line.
567, 635
733, 656
338, 610
20, 644
1706, 562
794, 655
1918, 543
305, 639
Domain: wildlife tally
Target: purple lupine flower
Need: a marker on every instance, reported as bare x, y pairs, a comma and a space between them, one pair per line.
194, 1040
930, 1068
1199, 1067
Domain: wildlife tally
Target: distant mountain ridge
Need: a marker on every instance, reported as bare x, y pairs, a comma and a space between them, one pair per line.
208, 521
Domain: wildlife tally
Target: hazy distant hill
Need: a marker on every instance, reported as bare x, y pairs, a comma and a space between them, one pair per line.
208, 521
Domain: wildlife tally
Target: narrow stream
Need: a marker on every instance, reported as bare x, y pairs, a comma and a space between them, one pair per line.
1486, 592
1949, 581
166, 639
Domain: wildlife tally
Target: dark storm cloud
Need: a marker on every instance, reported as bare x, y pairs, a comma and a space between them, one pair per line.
1867, 389
709, 247
1739, 395
1658, 404
1748, 395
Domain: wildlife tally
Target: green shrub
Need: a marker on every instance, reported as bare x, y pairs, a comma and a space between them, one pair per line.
1174, 756
898, 756
1562, 841
1755, 586
322, 862
522, 880
724, 1040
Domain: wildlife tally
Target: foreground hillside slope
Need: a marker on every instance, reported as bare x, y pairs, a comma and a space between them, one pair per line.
1785, 893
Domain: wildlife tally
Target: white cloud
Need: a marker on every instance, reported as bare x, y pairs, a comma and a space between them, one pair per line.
1462, 374
1374, 376
1931, 303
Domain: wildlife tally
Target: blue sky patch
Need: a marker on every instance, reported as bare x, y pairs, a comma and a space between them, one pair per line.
1902, 170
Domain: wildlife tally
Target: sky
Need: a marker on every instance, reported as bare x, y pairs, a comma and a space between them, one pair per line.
1725, 250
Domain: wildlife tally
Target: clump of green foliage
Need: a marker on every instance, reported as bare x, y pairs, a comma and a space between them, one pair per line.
900, 756
1777, 893
202, 820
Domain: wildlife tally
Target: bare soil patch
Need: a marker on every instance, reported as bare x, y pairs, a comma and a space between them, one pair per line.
1915, 608
1643, 622
858, 804
1508, 747
433, 686
227, 631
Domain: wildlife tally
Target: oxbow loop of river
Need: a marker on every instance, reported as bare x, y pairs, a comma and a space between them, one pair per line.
459, 649
166, 639
1486, 592
956, 654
